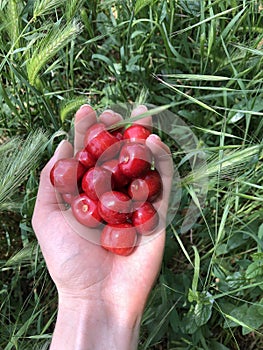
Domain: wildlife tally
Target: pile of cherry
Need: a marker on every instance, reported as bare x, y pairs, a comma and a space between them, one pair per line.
112, 181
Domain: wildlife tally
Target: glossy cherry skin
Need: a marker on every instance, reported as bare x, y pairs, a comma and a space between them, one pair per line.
96, 181
149, 187
86, 211
136, 133
85, 158
115, 207
97, 140
119, 179
135, 159
119, 239
145, 218
65, 175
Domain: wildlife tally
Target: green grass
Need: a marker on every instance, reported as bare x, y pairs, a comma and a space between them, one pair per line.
203, 59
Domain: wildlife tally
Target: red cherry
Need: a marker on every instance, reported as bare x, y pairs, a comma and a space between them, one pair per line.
85, 211
96, 181
115, 207
147, 188
85, 158
138, 190
135, 159
97, 140
93, 131
119, 179
118, 133
145, 218
65, 175
119, 239
136, 133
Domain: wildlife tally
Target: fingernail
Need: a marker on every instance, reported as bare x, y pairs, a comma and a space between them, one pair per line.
61, 144
85, 106
107, 112
139, 110
153, 136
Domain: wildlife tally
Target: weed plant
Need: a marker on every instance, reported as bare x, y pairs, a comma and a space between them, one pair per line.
203, 60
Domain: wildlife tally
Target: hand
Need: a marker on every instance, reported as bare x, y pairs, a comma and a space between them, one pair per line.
87, 276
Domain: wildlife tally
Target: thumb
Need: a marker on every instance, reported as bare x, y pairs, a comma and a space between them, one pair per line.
47, 197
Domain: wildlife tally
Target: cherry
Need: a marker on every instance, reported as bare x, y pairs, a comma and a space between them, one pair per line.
119, 239
65, 175
96, 181
118, 133
135, 159
115, 207
147, 188
119, 179
97, 140
145, 218
136, 133
85, 158
85, 211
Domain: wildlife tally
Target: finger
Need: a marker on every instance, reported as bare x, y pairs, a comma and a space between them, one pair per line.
109, 117
47, 197
147, 121
162, 155
84, 118
164, 164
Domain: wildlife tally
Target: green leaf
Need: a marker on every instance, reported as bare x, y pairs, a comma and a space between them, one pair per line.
221, 14
202, 313
257, 256
203, 307
196, 270
255, 270
260, 236
140, 4
217, 346
238, 313
248, 317
188, 324
106, 60
253, 318
188, 97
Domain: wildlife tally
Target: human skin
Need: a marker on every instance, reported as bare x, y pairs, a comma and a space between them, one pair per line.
101, 296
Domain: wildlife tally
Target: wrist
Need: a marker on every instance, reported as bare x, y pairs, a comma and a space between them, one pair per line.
88, 324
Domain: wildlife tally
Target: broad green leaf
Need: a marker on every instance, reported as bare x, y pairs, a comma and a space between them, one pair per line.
215, 345
245, 316
202, 313
255, 270
253, 318
188, 324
